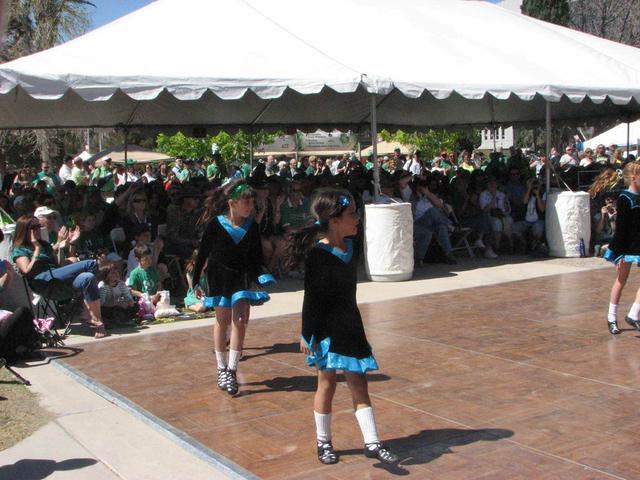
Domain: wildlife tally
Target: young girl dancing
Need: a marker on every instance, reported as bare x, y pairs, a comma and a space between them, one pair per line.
231, 244
333, 336
624, 248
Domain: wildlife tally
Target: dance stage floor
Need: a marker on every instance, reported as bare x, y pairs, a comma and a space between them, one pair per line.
514, 381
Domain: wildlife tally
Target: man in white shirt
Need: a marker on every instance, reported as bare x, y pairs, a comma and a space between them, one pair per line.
568, 160
65, 170
414, 165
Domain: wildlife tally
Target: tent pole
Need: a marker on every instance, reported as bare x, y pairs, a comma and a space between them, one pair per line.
548, 131
374, 146
628, 135
251, 149
126, 156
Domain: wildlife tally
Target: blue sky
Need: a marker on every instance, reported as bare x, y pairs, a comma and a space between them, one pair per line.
108, 10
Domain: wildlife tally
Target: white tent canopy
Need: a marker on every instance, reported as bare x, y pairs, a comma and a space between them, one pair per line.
262, 63
616, 136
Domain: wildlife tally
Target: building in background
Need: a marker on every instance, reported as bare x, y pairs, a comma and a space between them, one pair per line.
496, 139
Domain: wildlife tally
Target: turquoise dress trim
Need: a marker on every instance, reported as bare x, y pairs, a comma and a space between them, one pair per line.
255, 297
236, 233
326, 360
266, 279
344, 256
610, 257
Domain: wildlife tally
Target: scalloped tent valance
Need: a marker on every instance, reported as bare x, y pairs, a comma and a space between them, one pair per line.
269, 63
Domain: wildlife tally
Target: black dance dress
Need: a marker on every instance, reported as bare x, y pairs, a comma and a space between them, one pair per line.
625, 244
331, 321
235, 267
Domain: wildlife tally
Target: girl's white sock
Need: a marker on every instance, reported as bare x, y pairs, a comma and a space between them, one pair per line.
323, 426
221, 359
635, 310
234, 358
613, 312
367, 424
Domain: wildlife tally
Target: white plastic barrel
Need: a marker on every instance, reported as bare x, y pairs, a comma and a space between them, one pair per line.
567, 222
389, 242
6, 247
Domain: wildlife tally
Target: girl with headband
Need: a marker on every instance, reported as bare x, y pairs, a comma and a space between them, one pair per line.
333, 336
624, 248
232, 250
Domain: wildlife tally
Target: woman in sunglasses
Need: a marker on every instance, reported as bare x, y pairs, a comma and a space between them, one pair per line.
35, 259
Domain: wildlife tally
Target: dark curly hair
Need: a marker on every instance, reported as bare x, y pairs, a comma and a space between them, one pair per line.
217, 203
327, 203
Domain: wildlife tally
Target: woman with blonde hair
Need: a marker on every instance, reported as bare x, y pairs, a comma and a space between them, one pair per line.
624, 248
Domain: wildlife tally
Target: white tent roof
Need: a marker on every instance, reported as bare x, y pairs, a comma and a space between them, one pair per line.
616, 136
271, 62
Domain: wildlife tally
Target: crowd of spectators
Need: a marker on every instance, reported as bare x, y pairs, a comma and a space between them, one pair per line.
120, 232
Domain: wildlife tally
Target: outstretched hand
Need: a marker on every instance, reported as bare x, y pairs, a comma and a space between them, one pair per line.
304, 348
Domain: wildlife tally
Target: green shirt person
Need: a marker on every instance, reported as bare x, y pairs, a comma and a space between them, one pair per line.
213, 172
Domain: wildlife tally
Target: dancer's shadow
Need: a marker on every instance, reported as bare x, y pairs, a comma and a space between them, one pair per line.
37, 469
299, 383
272, 349
429, 445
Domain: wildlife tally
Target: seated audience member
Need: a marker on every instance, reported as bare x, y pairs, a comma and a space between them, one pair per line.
430, 219
136, 213
534, 201
90, 243
294, 211
192, 301
144, 279
116, 302
35, 259
78, 173
58, 236
182, 224
142, 236
469, 214
604, 224
495, 203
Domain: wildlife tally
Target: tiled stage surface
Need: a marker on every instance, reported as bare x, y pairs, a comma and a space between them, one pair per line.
514, 381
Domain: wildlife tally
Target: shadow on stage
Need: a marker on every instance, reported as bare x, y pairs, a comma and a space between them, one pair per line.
429, 445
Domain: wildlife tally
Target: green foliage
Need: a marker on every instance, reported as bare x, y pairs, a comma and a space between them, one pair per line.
432, 142
19, 148
232, 147
554, 11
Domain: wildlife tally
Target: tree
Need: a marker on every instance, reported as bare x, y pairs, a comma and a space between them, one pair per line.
432, 142
554, 11
617, 20
232, 147
36, 25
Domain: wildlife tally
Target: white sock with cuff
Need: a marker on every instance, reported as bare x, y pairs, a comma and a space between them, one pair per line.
613, 312
367, 423
635, 310
323, 426
221, 359
234, 358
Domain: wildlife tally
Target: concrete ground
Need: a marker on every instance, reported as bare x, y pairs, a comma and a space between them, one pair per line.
80, 444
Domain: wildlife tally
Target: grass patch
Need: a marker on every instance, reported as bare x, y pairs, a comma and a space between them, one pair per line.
20, 411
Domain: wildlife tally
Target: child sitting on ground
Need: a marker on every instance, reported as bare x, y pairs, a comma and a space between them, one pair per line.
144, 279
116, 302
142, 235
191, 301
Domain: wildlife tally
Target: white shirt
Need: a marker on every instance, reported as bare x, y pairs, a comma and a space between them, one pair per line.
486, 198
150, 178
413, 166
567, 159
64, 173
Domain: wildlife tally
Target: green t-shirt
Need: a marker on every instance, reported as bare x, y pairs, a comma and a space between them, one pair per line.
145, 281
46, 253
213, 172
184, 175
294, 216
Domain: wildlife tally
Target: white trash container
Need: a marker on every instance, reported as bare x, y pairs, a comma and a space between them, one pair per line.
389, 242
567, 221
6, 247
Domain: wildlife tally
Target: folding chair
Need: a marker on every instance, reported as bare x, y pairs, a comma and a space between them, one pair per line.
54, 298
459, 236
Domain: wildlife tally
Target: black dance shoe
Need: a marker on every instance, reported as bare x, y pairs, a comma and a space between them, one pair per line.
232, 382
379, 451
634, 323
326, 453
613, 328
222, 378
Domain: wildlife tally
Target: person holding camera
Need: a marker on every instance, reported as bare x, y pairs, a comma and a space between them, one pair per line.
604, 224
533, 224
496, 204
